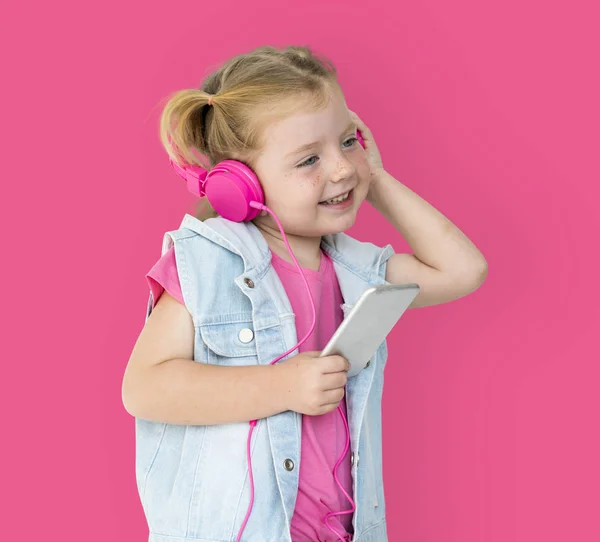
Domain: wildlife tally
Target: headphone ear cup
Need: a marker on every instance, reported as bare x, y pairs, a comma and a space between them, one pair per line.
230, 188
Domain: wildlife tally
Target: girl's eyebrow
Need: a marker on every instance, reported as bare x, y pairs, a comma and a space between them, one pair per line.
315, 143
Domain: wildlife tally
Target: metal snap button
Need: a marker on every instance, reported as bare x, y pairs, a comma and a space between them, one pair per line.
288, 465
248, 282
352, 458
246, 335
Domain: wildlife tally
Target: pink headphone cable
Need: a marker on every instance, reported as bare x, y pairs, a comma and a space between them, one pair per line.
257, 205
353, 507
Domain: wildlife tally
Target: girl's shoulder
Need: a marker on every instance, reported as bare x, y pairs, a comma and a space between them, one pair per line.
164, 276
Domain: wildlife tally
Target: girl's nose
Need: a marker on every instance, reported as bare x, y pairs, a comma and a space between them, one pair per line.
342, 169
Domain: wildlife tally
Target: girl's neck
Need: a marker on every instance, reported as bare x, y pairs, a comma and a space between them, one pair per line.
307, 250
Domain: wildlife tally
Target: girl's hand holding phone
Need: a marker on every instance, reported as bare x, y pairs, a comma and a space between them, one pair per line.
310, 384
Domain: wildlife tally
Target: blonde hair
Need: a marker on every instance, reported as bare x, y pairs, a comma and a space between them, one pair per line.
249, 90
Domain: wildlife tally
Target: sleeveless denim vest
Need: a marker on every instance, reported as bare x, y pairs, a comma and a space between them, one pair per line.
193, 480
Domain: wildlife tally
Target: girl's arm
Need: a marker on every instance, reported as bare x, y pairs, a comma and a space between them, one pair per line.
445, 264
162, 382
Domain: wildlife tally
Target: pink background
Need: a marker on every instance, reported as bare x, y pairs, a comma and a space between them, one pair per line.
489, 112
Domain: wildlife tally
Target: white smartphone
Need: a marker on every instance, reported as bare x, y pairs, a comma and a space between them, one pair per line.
366, 326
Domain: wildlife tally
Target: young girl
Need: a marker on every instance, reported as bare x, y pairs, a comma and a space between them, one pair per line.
229, 445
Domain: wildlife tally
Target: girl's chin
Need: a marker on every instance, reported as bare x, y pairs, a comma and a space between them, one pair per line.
338, 224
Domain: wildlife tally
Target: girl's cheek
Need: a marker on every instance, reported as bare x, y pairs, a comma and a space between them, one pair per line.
364, 172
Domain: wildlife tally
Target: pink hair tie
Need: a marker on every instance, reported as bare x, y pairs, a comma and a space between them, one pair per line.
210, 97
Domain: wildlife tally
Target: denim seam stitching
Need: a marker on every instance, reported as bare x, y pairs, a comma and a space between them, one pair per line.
162, 435
371, 528
187, 527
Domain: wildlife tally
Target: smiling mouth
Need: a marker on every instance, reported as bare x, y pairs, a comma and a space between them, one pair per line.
338, 199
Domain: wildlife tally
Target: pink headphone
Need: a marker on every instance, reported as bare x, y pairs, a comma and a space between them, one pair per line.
235, 193
231, 187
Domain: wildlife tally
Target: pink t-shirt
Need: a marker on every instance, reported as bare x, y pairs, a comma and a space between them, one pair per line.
323, 437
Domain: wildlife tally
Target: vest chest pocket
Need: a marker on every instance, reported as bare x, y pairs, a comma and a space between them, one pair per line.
232, 343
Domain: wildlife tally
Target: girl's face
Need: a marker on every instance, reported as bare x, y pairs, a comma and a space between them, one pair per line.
308, 158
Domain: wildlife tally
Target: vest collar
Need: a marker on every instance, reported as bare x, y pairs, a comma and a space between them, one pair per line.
247, 241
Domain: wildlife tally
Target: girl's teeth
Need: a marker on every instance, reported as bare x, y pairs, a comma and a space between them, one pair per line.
337, 200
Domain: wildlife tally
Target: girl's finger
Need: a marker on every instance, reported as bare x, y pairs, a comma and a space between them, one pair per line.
333, 397
361, 125
356, 119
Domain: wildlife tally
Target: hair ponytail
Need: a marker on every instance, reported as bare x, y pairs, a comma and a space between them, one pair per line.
247, 92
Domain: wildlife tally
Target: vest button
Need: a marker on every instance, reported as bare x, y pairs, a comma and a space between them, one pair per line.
288, 465
352, 458
248, 282
368, 363
246, 335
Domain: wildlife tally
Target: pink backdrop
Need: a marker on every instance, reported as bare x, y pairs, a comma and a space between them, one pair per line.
490, 112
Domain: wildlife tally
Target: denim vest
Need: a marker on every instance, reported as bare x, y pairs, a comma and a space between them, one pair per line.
193, 480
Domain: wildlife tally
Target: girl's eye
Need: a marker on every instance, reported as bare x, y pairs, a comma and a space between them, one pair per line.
308, 162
